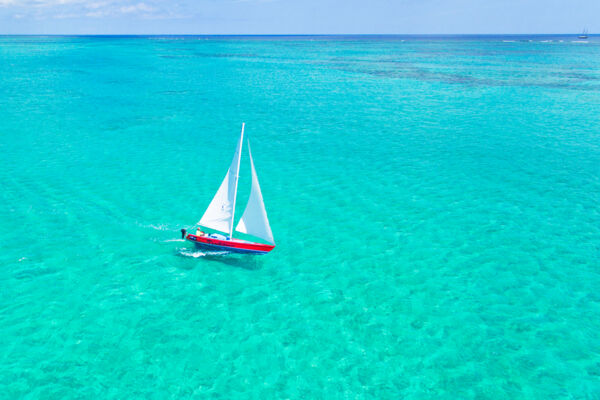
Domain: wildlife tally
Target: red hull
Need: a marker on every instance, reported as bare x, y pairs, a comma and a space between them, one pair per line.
234, 245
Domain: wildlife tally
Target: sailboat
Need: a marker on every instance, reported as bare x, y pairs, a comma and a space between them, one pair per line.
219, 215
584, 34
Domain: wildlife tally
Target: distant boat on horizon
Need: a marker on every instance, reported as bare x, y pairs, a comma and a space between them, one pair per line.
584, 34
221, 210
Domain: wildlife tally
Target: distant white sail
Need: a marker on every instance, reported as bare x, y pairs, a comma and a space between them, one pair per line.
254, 220
220, 212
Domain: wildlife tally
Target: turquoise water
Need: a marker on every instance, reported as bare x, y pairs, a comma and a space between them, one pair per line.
435, 203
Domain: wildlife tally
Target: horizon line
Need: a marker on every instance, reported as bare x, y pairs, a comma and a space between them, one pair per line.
298, 34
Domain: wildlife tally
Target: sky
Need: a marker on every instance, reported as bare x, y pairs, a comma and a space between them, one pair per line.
298, 16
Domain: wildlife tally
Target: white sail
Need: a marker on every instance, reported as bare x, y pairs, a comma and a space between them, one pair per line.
220, 212
254, 220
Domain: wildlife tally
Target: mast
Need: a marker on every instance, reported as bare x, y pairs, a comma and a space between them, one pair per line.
237, 176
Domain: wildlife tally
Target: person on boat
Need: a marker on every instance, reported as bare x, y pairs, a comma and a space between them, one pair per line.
199, 232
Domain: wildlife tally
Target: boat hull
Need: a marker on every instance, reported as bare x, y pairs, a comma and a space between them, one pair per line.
232, 245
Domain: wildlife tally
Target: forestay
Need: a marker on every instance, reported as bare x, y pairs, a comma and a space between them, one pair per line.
254, 220
219, 214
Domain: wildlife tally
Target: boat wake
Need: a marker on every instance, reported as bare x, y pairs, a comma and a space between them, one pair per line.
173, 240
161, 227
158, 227
197, 253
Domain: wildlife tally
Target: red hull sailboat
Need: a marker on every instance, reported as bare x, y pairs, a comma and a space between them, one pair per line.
220, 214
209, 241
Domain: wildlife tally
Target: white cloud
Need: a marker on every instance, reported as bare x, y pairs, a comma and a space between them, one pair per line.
62, 9
65, 16
96, 14
134, 8
96, 5
38, 3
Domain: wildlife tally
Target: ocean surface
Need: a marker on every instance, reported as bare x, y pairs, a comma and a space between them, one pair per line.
435, 203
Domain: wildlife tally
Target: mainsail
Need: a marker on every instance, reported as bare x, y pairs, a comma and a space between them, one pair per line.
219, 214
254, 220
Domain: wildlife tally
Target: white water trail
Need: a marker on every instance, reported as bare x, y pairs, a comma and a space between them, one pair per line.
197, 253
